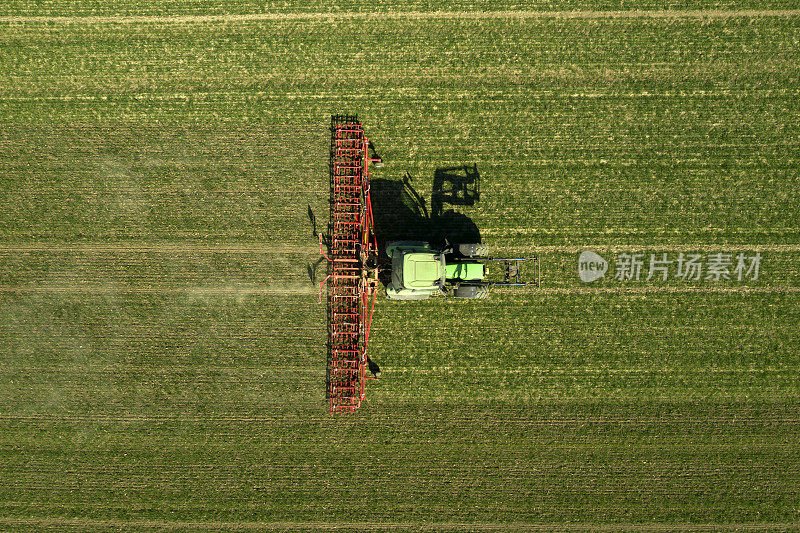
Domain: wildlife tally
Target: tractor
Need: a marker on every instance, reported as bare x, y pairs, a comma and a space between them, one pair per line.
419, 270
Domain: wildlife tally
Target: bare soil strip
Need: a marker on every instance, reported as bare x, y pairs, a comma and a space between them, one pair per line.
413, 15
370, 526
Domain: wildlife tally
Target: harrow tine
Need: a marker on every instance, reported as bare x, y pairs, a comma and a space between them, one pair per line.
352, 247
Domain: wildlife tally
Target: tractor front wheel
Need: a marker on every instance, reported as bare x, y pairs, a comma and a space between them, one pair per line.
473, 250
471, 292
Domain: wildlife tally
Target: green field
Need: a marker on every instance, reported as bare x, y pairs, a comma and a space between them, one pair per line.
162, 351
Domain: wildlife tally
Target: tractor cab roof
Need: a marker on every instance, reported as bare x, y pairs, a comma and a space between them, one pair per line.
418, 270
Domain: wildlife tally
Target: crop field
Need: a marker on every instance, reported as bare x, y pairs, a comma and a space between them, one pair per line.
163, 176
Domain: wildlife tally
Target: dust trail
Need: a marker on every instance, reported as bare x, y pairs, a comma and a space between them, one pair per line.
413, 15
164, 247
211, 291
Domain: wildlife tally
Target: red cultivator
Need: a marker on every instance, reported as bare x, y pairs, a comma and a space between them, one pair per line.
353, 269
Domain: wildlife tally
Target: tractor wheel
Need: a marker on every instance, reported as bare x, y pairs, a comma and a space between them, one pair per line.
471, 292
473, 250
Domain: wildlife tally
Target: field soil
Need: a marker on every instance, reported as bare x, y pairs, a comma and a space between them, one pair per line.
163, 180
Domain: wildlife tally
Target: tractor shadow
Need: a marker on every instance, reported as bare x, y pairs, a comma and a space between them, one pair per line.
455, 186
400, 213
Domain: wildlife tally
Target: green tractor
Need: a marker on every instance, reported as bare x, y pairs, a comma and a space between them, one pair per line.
419, 271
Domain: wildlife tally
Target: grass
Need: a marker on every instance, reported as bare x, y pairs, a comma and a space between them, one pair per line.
162, 349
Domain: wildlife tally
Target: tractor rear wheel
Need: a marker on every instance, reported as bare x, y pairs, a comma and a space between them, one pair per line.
473, 250
471, 292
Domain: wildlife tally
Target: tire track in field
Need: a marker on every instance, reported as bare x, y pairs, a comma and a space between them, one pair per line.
413, 15
668, 289
266, 96
261, 247
570, 249
51, 522
562, 419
